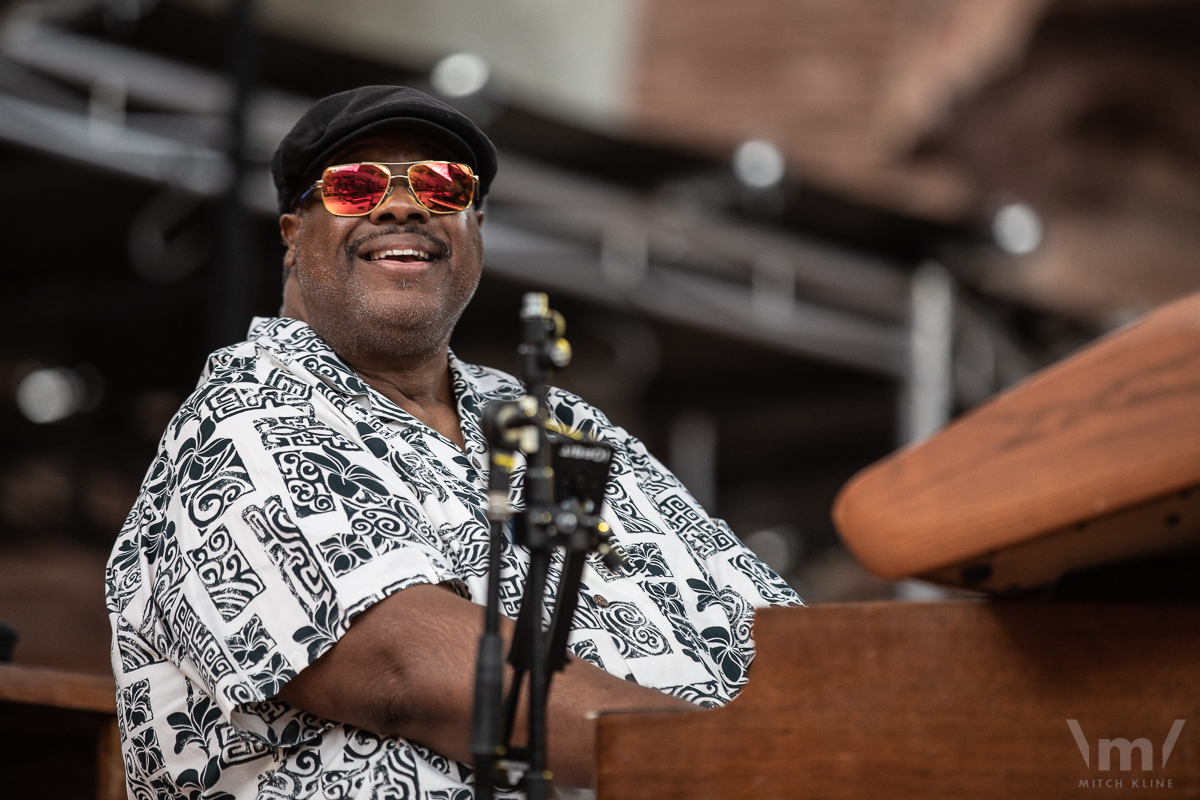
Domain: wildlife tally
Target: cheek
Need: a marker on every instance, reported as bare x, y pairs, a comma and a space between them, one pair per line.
328, 240
470, 245
321, 251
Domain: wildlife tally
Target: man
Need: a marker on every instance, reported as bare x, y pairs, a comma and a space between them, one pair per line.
294, 597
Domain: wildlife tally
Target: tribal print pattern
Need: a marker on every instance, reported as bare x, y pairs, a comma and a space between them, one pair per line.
288, 496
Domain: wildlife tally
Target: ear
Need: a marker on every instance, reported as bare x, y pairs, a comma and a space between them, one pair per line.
293, 303
289, 229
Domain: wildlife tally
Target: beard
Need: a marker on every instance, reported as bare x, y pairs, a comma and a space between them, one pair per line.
389, 319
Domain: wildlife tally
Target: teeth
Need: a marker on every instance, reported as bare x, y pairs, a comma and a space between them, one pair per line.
381, 254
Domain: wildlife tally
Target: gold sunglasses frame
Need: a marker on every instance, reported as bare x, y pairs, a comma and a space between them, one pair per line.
387, 165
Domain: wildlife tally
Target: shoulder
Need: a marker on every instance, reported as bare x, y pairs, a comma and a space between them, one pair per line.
261, 389
238, 379
494, 384
579, 416
570, 411
487, 382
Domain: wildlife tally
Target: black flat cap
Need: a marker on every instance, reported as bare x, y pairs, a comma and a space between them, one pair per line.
336, 121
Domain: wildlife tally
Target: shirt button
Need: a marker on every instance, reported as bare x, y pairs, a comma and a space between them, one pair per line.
600, 600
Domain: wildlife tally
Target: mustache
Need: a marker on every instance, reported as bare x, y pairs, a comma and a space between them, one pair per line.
439, 244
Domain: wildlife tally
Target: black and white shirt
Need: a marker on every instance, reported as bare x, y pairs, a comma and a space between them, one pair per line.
287, 496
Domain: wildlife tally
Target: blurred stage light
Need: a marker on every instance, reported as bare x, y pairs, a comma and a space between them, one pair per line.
460, 75
758, 164
49, 395
775, 546
1017, 229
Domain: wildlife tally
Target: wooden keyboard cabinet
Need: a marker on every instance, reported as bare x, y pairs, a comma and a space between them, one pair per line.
953, 700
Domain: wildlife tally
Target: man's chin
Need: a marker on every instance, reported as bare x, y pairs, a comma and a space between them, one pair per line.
374, 320
389, 332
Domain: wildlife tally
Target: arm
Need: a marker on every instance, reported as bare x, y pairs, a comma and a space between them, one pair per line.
406, 668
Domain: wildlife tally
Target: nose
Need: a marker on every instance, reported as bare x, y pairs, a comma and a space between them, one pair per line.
400, 206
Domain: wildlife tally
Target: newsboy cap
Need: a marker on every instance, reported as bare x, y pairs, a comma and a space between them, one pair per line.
339, 119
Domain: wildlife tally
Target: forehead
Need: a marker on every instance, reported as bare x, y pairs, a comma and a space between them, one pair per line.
390, 148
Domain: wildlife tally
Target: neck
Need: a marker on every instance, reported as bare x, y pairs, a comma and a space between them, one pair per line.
419, 383
421, 380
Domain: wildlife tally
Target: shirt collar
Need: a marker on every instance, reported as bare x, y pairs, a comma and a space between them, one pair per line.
291, 340
474, 387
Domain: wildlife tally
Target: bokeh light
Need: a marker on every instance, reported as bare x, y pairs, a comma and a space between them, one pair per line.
758, 164
460, 75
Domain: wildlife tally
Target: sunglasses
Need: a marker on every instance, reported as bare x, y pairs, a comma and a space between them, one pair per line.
355, 190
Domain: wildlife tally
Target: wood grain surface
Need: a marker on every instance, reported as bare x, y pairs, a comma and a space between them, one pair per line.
1166, 523
58, 735
1114, 427
110, 764
936, 700
60, 688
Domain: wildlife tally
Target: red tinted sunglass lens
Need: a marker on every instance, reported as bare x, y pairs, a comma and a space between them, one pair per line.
353, 188
442, 185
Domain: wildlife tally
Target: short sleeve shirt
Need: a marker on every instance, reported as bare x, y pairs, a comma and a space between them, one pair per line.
287, 496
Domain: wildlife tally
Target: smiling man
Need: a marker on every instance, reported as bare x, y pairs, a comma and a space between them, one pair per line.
294, 597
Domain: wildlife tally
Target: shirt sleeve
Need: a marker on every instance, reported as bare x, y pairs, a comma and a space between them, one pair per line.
671, 507
280, 527
730, 563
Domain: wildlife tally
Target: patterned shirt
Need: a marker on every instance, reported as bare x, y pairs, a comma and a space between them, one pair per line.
287, 496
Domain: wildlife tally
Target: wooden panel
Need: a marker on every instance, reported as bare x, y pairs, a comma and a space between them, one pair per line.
58, 735
938, 700
53, 594
50, 753
58, 688
1113, 427
1166, 524
110, 765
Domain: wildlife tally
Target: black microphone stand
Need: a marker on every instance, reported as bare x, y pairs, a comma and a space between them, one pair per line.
571, 522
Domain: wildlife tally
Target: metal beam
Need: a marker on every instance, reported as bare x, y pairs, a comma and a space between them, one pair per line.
705, 302
546, 225
149, 80
114, 147
554, 201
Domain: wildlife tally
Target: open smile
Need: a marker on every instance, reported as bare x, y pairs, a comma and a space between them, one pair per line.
403, 255
404, 252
